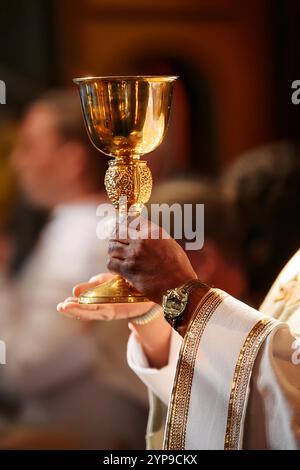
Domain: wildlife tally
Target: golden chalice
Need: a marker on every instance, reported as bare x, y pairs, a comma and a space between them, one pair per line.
125, 117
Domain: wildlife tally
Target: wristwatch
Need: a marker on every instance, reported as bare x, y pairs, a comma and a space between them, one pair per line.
175, 301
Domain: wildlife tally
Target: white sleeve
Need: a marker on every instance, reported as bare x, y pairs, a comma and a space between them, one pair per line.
160, 381
237, 384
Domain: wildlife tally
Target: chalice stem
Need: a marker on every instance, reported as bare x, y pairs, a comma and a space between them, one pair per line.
128, 183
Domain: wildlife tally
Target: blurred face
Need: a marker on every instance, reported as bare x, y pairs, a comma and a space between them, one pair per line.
38, 157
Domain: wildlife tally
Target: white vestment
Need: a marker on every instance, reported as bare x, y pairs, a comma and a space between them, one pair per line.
233, 382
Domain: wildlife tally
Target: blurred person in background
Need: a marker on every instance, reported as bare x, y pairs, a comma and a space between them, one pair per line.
7, 188
211, 333
263, 185
61, 376
257, 186
219, 261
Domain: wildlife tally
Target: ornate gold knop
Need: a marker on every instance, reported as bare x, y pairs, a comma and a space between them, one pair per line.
130, 178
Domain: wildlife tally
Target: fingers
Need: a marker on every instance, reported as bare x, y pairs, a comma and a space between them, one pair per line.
115, 265
133, 228
104, 312
117, 249
124, 259
120, 233
75, 310
128, 229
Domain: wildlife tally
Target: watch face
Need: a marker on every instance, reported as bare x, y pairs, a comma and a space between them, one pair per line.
174, 303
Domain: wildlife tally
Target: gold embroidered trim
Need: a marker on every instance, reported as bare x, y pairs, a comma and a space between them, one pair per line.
180, 399
241, 379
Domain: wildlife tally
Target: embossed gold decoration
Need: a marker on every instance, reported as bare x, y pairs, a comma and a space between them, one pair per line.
289, 293
176, 427
125, 117
131, 179
241, 381
180, 399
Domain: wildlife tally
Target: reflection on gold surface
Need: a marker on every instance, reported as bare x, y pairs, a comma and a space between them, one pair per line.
126, 116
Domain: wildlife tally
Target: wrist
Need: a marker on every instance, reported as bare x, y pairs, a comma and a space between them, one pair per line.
154, 338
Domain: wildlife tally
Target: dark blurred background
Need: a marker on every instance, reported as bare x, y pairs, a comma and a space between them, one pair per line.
236, 60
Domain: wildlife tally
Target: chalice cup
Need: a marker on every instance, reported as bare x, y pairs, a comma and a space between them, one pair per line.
125, 118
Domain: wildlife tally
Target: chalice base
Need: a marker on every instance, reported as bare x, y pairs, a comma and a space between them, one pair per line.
118, 290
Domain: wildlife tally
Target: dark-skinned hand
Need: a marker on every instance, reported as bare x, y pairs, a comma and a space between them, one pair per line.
149, 259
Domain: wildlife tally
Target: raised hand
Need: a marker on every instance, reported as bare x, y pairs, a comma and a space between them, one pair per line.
149, 260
